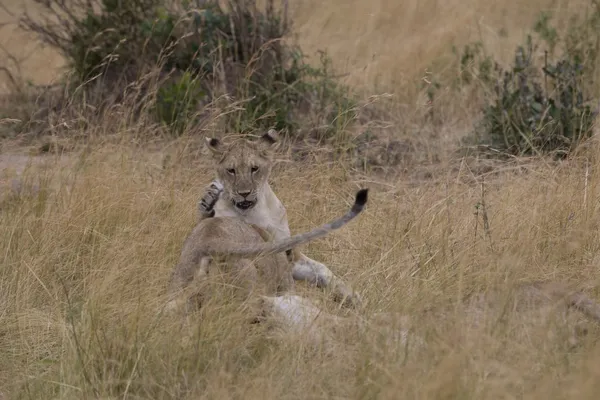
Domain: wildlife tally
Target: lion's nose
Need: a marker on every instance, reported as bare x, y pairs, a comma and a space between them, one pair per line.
244, 194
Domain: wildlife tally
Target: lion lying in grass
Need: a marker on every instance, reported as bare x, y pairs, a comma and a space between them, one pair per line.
562, 313
249, 216
242, 190
257, 263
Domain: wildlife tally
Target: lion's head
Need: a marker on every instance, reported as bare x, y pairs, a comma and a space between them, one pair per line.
243, 167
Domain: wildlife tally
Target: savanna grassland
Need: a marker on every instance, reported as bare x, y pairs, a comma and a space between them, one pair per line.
95, 202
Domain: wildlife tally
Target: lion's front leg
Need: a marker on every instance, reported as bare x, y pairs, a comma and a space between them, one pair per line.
206, 205
307, 269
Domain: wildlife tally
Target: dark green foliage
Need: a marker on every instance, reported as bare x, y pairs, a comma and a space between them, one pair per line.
177, 102
541, 103
203, 51
538, 111
119, 38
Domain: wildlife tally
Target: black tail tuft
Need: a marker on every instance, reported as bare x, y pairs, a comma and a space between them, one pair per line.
361, 200
361, 197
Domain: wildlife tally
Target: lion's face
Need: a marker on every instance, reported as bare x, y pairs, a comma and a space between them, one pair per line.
243, 167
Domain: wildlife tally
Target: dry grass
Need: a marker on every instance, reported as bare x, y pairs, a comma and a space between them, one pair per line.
88, 245
86, 260
386, 44
382, 44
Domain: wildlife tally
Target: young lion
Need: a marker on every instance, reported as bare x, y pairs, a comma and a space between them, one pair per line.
243, 168
522, 308
248, 250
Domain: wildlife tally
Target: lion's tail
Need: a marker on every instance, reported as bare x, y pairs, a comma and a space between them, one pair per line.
291, 242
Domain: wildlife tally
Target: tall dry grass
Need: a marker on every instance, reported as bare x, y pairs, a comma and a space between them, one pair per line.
88, 244
387, 44
87, 249
382, 46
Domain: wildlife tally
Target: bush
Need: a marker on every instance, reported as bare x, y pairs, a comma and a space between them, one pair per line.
541, 104
204, 52
177, 102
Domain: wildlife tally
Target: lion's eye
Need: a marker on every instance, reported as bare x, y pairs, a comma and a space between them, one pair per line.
254, 169
231, 171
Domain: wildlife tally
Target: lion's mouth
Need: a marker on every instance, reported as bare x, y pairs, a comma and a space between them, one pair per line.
245, 205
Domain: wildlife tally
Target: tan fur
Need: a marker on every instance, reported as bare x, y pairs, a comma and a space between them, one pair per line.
245, 166
526, 305
236, 242
268, 275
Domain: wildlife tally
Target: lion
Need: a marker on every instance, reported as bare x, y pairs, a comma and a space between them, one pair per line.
242, 190
258, 262
546, 304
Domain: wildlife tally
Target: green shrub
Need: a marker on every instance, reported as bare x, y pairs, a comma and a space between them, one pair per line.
177, 102
233, 51
119, 39
542, 103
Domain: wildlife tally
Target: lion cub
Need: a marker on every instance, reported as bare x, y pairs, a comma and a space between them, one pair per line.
242, 190
258, 263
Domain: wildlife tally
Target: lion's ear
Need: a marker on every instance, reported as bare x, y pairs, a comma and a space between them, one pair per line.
270, 140
214, 145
